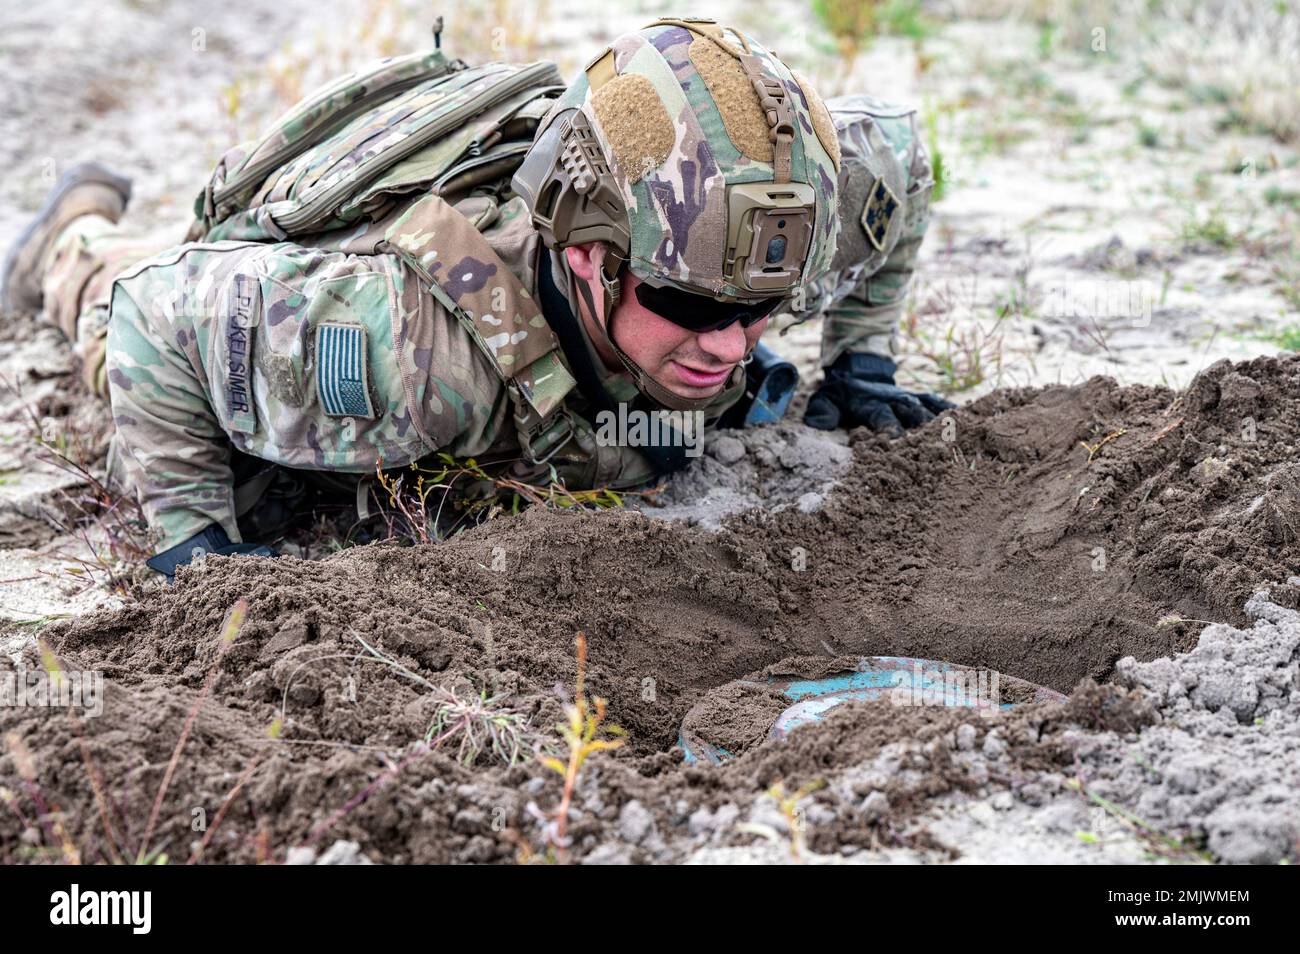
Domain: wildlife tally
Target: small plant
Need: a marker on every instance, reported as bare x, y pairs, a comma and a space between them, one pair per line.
851, 22
790, 807
1276, 195
1288, 277
938, 164
584, 733
963, 355
409, 515
484, 724
54, 669
48, 817
121, 536
1287, 338
854, 23
904, 18
231, 99
480, 495
1157, 842
1211, 228
1046, 39
26, 765
1092, 449
273, 732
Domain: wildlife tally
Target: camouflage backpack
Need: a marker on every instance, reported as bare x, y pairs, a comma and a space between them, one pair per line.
383, 154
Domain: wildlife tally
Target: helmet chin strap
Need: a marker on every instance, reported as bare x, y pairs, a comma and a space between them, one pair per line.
611, 291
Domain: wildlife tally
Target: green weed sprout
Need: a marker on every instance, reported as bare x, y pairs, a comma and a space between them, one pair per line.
584, 733
789, 806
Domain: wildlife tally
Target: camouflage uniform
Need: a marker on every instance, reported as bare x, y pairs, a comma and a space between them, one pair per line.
209, 346
337, 352
885, 184
77, 284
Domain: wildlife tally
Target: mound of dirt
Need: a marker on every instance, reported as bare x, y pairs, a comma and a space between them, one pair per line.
1043, 533
1222, 765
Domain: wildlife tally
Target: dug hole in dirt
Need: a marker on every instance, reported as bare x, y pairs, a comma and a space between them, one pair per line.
1046, 534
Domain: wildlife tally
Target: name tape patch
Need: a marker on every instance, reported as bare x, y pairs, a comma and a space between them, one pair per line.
242, 318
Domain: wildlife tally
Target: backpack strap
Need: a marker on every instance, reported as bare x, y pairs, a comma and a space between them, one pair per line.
469, 279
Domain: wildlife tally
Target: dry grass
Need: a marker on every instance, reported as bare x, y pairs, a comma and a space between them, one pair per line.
428, 504
1244, 54
477, 31
957, 335
108, 536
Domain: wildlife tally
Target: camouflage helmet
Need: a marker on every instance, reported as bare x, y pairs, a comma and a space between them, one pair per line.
699, 159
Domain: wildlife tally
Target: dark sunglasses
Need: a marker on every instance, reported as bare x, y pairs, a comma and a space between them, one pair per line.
700, 313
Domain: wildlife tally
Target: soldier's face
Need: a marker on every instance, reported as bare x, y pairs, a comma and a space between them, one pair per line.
690, 364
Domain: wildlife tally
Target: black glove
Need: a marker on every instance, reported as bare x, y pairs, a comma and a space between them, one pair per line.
212, 539
859, 389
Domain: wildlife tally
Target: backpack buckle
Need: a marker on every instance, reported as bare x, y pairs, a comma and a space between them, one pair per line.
542, 438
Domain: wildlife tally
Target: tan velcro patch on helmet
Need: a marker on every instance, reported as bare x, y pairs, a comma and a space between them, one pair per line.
823, 125
735, 98
636, 124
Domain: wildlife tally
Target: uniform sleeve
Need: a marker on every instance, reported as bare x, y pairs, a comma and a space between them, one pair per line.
868, 317
168, 445
305, 357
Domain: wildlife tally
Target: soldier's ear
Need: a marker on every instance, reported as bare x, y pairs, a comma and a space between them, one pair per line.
583, 260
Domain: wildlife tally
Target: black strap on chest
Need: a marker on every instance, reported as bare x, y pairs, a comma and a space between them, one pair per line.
558, 314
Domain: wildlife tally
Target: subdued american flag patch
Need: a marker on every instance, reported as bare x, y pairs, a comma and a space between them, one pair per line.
342, 375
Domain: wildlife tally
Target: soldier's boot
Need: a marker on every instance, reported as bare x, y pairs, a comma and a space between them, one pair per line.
87, 188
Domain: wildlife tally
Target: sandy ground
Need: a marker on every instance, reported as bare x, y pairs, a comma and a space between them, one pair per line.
1095, 222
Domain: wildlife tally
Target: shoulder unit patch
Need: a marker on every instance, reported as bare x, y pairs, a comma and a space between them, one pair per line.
342, 374
877, 213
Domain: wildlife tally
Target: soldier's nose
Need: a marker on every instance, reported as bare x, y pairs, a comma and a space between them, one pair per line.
726, 345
